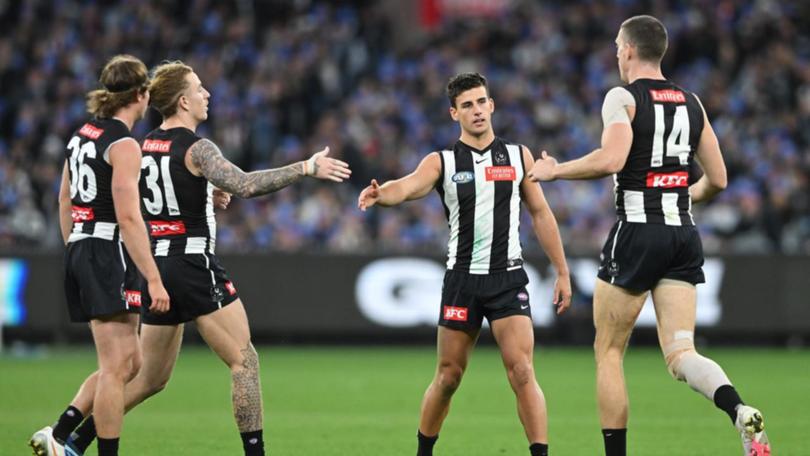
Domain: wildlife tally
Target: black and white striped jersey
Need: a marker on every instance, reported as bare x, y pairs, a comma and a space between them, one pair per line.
88, 158
177, 205
653, 186
480, 190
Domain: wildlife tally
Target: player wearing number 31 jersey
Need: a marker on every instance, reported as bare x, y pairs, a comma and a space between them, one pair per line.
653, 130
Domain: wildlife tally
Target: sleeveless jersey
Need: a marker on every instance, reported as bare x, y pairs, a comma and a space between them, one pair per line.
88, 158
480, 190
653, 186
177, 205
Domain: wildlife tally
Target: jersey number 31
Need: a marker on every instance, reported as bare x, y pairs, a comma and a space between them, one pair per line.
155, 204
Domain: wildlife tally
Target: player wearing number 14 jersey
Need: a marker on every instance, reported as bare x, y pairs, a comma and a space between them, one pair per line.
99, 208
653, 130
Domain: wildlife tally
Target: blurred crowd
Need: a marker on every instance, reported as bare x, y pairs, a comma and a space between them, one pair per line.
288, 78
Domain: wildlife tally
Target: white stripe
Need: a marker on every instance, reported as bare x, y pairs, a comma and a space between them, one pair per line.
104, 230
162, 247
210, 218
106, 154
613, 249
195, 245
516, 158
634, 206
78, 227
213, 279
124, 265
669, 205
689, 211
451, 201
484, 214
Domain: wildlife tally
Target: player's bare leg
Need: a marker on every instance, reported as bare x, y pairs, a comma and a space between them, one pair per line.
615, 311
453, 351
116, 340
515, 337
227, 332
675, 307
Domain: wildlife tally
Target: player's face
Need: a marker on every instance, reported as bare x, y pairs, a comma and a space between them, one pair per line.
196, 97
622, 49
473, 111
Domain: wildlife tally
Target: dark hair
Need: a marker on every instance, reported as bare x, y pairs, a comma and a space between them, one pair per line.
462, 83
648, 35
168, 84
123, 77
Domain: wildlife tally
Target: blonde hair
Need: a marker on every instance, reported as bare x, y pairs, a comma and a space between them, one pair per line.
123, 77
167, 86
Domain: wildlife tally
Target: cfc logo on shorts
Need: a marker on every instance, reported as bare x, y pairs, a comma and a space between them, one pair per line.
455, 313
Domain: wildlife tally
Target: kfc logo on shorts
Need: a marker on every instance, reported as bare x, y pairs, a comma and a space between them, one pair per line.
156, 145
89, 131
82, 214
500, 173
133, 298
455, 313
231, 289
159, 228
668, 180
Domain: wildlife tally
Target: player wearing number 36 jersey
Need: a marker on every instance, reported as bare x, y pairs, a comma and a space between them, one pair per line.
653, 131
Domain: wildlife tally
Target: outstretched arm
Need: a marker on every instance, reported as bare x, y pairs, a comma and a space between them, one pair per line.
205, 159
548, 234
413, 186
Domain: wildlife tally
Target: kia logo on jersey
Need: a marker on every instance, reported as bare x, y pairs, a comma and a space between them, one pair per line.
455, 313
160, 228
667, 180
668, 96
156, 145
500, 173
82, 214
89, 131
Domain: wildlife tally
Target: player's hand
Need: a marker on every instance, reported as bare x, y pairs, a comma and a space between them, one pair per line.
323, 167
160, 298
543, 168
562, 293
369, 196
221, 199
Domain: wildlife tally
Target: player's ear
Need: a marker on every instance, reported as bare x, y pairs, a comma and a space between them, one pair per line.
491, 105
454, 113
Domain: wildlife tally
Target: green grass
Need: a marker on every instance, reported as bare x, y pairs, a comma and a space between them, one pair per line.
365, 401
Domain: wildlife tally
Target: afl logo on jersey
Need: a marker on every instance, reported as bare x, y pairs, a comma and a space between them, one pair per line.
462, 177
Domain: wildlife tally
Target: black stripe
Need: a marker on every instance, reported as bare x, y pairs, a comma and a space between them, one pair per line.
683, 207
466, 209
653, 206
499, 252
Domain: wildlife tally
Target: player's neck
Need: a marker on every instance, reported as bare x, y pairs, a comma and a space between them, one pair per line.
127, 117
179, 120
479, 142
644, 71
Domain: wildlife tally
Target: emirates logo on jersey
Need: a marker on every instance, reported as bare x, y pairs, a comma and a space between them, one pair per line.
500, 173
161, 228
156, 145
82, 214
668, 96
89, 131
668, 180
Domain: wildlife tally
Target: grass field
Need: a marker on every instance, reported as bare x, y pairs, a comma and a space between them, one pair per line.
365, 401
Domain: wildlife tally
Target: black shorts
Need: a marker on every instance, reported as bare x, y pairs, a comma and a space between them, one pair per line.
637, 255
197, 285
468, 298
100, 280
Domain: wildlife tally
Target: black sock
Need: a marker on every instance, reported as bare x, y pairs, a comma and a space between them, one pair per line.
727, 400
253, 443
108, 447
615, 442
68, 421
83, 435
425, 444
539, 449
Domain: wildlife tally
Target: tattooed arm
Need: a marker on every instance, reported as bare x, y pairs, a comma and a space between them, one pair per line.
205, 159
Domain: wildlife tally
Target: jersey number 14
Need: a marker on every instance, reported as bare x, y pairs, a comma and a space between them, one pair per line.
678, 139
